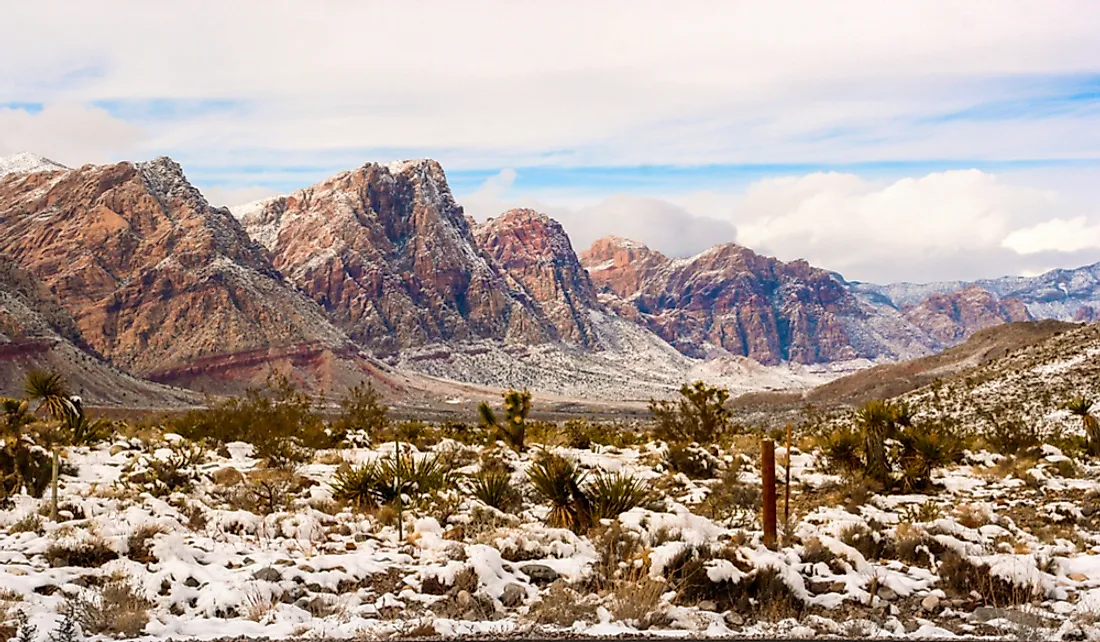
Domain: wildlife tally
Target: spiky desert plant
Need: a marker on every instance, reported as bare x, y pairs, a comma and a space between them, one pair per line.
842, 450
1081, 406
493, 486
16, 413
923, 449
700, 415
48, 389
612, 494
558, 481
876, 420
383, 481
358, 485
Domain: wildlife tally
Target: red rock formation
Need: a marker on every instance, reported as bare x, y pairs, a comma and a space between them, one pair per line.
537, 259
390, 255
951, 318
154, 277
1085, 314
730, 297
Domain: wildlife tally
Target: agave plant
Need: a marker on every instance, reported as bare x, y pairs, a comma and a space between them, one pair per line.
383, 481
924, 449
612, 494
558, 481
493, 486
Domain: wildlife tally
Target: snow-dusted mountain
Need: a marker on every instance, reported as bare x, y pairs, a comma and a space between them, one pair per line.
25, 163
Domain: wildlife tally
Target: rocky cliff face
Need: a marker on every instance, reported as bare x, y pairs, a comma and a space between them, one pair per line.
731, 298
155, 279
391, 257
951, 318
538, 262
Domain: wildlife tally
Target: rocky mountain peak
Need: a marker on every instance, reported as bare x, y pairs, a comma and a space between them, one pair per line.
535, 255
950, 318
26, 163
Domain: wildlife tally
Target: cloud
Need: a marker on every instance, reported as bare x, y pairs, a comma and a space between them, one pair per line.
1058, 235
69, 134
230, 196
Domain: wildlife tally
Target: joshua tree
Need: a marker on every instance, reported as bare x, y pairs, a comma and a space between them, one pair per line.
517, 405
700, 415
1081, 406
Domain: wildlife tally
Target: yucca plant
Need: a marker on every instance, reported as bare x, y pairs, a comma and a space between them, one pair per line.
558, 481
1081, 406
841, 450
612, 494
923, 449
877, 421
49, 390
493, 486
383, 481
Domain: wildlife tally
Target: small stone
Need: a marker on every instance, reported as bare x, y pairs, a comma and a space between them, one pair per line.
818, 588
513, 595
268, 574
837, 587
350, 546
733, 619
539, 572
228, 476
191, 582
707, 605
361, 537
887, 593
116, 449
1087, 510
463, 598
930, 603
1078, 577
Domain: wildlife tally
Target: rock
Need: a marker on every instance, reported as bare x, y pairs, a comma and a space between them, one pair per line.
819, 587
268, 574
350, 546
837, 587
513, 595
227, 476
1087, 510
733, 619
116, 449
886, 593
1078, 577
950, 318
930, 603
539, 573
191, 582
987, 613
707, 605
46, 589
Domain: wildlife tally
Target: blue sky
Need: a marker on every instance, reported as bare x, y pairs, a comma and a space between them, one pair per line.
960, 138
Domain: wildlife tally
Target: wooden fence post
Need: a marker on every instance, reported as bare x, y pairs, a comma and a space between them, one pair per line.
767, 467
787, 492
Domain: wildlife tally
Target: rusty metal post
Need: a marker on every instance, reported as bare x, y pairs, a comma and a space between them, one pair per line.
767, 471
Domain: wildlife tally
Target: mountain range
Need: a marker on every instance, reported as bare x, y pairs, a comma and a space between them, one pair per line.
377, 274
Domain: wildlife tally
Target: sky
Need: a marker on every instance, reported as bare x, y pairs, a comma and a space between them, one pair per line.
905, 140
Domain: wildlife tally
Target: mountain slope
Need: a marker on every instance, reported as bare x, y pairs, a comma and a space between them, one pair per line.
389, 255
158, 281
731, 300
25, 163
537, 259
950, 318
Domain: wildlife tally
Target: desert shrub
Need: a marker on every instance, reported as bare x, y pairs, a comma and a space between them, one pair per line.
176, 473
691, 460
959, 576
118, 609
557, 480
1009, 435
870, 544
23, 464
265, 492
612, 494
698, 416
731, 500
87, 553
493, 486
562, 606
362, 416
281, 424
384, 480
914, 546
140, 543
417, 433
30, 524
815, 552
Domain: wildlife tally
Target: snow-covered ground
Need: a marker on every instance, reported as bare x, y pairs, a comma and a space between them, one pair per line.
997, 548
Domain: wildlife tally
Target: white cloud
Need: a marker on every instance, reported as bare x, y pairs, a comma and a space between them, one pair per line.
229, 196
498, 83
1058, 234
69, 134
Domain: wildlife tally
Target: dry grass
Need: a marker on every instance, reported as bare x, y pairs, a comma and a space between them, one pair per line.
118, 610
560, 605
971, 516
257, 604
140, 543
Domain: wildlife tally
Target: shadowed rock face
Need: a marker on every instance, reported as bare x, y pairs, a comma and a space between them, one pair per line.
387, 252
732, 298
538, 262
153, 276
951, 318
